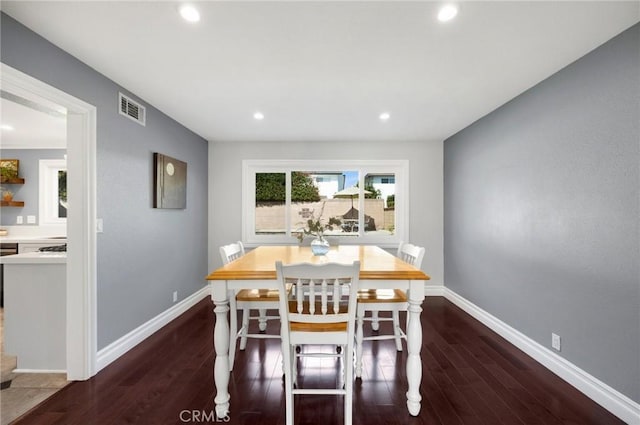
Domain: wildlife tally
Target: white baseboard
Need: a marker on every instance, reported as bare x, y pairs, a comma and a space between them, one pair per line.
39, 371
615, 402
117, 348
434, 291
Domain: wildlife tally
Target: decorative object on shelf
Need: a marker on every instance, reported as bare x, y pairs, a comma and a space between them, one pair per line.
170, 183
4, 232
9, 169
9, 175
315, 226
7, 195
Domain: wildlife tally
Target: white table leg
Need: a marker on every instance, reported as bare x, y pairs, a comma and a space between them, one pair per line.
414, 343
221, 345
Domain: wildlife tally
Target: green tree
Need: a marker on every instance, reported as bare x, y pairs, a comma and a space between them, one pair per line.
62, 185
375, 193
303, 189
271, 187
391, 201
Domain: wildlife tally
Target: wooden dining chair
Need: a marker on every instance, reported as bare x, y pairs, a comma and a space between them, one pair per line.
381, 300
318, 310
247, 300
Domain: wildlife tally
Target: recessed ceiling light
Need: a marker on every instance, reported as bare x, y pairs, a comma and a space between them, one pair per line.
259, 116
189, 13
447, 12
384, 116
6, 127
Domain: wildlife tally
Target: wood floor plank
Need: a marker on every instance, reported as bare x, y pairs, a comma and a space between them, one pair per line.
471, 376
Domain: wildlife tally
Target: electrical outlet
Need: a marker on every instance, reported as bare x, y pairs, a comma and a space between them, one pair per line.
31, 219
99, 225
555, 342
175, 296
19, 220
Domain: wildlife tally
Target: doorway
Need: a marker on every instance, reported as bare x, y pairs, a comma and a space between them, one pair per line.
81, 326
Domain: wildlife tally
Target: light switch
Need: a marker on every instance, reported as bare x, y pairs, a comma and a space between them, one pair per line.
99, 225
31, 219
19, 220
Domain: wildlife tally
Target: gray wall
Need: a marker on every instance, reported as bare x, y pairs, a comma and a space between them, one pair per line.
29, 191
541, 212
144, 254
425, 189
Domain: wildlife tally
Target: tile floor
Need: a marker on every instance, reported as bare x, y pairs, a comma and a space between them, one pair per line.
27, 389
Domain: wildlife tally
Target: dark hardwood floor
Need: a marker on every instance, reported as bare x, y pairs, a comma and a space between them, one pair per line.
470, 376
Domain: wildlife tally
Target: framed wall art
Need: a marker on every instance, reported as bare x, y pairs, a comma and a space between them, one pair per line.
170, 182
9, 168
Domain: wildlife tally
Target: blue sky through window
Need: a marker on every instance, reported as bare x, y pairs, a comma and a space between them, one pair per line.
350, 178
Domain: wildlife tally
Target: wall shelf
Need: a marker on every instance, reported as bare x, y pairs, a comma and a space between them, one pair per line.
13, 180
11, 203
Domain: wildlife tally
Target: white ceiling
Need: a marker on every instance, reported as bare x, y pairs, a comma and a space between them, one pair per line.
324, 71
32, 126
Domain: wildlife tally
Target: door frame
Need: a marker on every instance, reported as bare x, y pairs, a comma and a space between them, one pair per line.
81, 297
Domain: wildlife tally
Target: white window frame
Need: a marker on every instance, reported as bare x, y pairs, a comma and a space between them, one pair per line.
251, 167
48, 191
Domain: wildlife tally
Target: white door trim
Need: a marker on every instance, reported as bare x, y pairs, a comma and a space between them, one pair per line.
81, 222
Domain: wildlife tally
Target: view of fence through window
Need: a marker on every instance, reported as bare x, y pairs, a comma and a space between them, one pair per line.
323, 195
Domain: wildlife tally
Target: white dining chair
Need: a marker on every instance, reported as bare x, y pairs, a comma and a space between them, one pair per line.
318, 310
247, 300
382, 300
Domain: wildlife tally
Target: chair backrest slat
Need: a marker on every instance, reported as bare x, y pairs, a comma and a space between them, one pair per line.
324, 297
337, 292
312, 296
299, 295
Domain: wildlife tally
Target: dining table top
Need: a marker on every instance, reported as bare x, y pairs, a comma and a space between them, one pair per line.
375, 262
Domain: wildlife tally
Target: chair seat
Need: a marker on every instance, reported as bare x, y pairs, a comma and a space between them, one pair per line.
293, 307
382, 296
257, 295
318, 327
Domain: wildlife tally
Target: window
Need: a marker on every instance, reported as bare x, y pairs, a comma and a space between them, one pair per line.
53, 191
370, 198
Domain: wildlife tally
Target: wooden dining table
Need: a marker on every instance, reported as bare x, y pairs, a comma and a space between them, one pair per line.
256, 270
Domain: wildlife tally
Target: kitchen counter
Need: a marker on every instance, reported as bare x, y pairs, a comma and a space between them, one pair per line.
35, 310
33, 239
35, 258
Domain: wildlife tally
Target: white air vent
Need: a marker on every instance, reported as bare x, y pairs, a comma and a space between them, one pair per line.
132, 109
